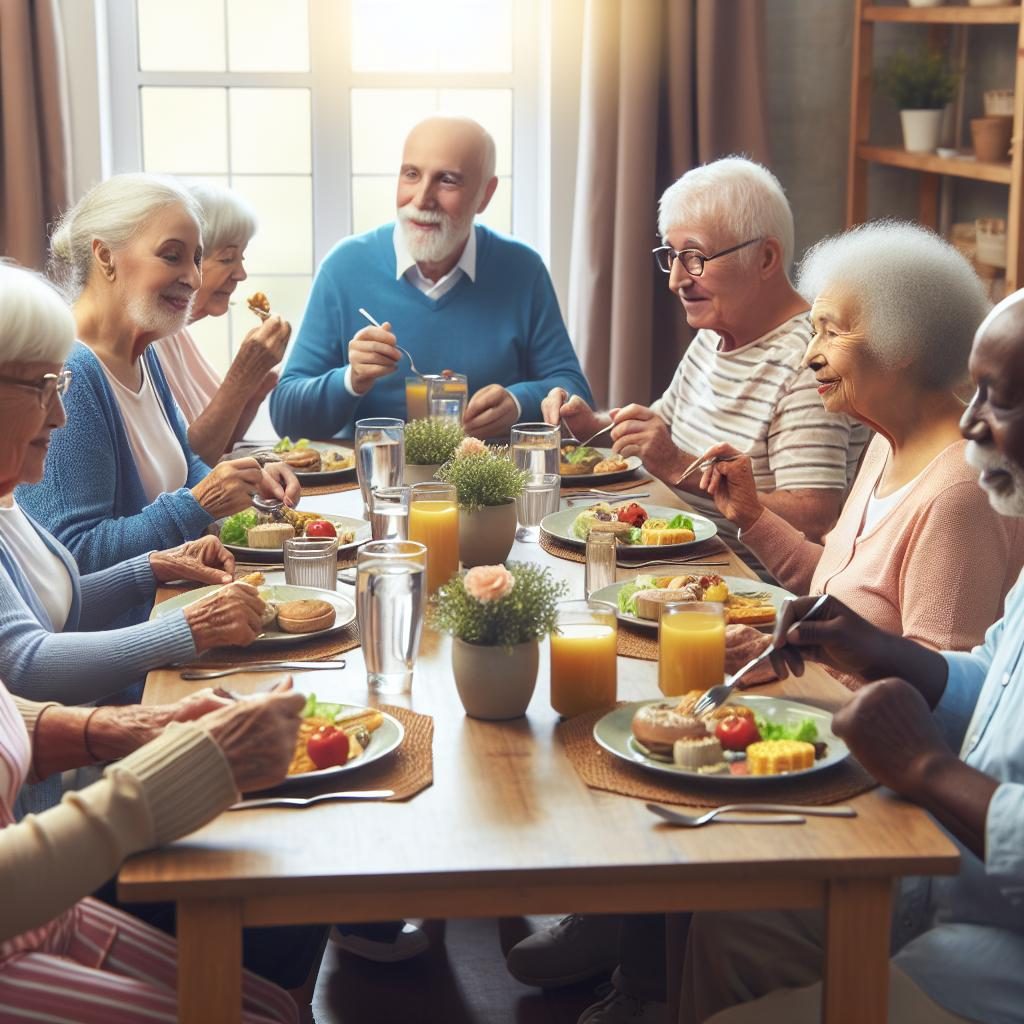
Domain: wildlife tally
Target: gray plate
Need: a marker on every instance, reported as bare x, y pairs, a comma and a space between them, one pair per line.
597, 479
246, 554
313, 479
613, 732
559, 524
346, 611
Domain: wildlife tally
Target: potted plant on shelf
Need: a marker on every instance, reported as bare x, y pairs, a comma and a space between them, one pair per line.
921, 84
496, 615
429, 443
487, 483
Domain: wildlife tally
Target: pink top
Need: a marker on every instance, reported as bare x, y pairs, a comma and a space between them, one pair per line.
934, 568
191, 378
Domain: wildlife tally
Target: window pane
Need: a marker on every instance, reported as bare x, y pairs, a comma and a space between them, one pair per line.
213, 336
381, 119
493, 109
270, 131
410, 36
373, 202
268, 35
284, 206
186, 35
184, 131
498, 214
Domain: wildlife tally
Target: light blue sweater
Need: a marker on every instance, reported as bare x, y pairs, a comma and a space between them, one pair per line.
503, 328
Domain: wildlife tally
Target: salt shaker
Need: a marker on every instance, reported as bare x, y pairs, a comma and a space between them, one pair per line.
600, 570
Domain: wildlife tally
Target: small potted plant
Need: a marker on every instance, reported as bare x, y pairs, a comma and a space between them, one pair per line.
429, 443
496, 615
920, 83
487, 483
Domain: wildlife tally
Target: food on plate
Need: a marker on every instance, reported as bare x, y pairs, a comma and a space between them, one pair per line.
254, 579
269, 612
235, 529
328, 746
737, 732
302, 460
698, 755
650, 603
240, 529
634, 514
260, 305
776, 757
637, 598
613, 464
269, 535
658, 726
333, 461
326, 722
655, 536
305, 616
286, 444
320, 528
805, 730
578, 461
729, 711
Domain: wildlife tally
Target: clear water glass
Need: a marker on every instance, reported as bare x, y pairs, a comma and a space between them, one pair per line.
447, 396
311, 562
380, 455
535, 447
389, 513
601, 555
539, 498
390, 596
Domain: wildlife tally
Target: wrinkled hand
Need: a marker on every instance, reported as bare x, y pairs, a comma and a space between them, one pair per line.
279, 481
372, 353
641, 431
743, 644
230, 617
491, 412
261, 350
732, 486
257, 736
205, 561
559, 407
229, 487
891, 731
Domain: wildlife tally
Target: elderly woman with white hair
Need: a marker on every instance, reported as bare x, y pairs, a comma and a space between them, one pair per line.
122, 478
219, 411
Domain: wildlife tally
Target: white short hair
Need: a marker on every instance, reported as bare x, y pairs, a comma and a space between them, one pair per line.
228, 219
920, 299
112, 211
734, 195
36, 325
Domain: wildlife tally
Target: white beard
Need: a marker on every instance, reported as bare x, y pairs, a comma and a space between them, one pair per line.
432, 246
149, 315
1006, 504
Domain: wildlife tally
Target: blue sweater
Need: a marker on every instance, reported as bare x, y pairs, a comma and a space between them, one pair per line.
91, 497
503, 328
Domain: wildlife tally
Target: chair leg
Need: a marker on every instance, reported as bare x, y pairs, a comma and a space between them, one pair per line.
303, 995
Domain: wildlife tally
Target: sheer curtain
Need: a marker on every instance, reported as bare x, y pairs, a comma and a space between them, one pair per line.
34, 151
665, 85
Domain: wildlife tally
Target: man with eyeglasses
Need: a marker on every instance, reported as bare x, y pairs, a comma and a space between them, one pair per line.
728, 241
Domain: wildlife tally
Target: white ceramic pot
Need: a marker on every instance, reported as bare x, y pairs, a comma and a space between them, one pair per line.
495, 683
418, 474
486, 536
925, 3
921, 130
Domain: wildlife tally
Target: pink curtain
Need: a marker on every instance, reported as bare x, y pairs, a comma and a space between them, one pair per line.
666, 85
35, 177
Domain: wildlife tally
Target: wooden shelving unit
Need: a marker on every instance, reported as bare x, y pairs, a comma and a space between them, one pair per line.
930, 168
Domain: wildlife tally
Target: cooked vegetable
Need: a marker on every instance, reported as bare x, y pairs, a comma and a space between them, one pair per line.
680, 522
736, 733
805, 731
633, 514
235, 529
627, 595
328, 747
578, 455
286, 445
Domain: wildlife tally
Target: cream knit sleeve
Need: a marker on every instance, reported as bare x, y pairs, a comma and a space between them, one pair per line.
165, 789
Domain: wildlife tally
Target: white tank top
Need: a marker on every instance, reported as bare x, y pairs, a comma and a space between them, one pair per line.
46, 573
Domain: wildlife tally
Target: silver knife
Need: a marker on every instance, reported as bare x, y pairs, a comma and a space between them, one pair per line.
263, 666
307, 801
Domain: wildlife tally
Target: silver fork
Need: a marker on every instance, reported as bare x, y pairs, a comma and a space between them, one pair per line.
666, 561
790, 814
308, 801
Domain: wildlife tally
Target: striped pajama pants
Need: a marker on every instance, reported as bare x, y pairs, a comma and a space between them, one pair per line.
103, 966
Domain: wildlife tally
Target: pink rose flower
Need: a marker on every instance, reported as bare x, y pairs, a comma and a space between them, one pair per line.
489, 582
470, 446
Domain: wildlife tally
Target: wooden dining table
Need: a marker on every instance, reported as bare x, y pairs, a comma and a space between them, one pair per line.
508, 828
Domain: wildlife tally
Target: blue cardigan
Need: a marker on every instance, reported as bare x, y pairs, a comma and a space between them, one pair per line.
91, 497
503, 328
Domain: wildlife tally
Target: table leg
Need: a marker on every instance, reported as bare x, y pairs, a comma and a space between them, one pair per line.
857, 917
209, 962
677, 928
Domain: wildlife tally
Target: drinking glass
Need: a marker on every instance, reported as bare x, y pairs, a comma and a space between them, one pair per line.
389, 513
311, 562
389, 608
380, 455
447, 396
691, 647
535, 447
434, 522
539, 498
416, 390
601, 556
584, 670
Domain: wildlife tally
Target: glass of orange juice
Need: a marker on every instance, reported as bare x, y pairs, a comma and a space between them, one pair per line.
434, 522
584, 670
691, 647
416, 405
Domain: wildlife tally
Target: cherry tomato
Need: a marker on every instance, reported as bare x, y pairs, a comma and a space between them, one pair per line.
328, 746
633, 514
736, 733
320, 528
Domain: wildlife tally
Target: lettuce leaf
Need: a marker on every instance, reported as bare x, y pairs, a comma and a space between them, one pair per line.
579, 455
235, 529
681, 522
321, 709
628, 592
805, 731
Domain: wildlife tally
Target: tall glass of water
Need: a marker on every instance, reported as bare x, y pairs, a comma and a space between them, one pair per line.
539, 498
390, 595
380, 455
389, 513
447, 396
535, 447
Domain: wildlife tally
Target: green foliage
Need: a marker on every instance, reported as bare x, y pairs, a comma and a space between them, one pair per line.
527, 612
919, 80
484, 478
432, 441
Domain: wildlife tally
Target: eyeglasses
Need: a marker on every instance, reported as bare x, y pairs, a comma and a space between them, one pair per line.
693, 259
46, 387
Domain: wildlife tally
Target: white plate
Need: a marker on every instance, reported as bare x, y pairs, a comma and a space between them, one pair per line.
737, 585
633, 463
559, 524
343, 606
247, 554
613, 732
321, 476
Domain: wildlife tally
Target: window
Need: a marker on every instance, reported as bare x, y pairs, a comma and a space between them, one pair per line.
302, 106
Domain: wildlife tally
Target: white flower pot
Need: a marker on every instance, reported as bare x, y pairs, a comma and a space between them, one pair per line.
495, 683
921, 130
486, 536
418, 474
926, 3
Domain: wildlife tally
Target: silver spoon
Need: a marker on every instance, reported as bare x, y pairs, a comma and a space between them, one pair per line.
307, 801
405, 352
690, 821
722, 815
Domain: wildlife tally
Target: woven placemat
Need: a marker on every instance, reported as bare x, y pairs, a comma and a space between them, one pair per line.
314, 650
636, 643
601, 770
620, 485
338, 488
560, 549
